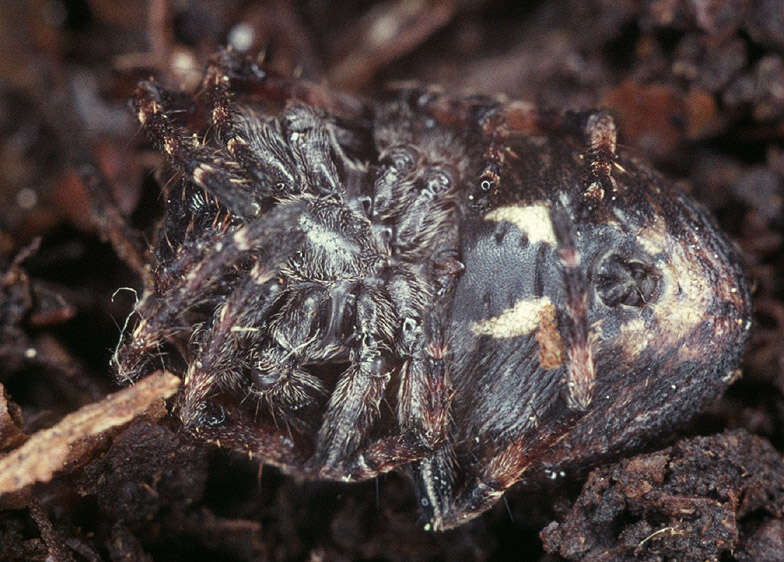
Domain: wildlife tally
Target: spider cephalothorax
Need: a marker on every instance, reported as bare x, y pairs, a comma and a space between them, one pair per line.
466, 286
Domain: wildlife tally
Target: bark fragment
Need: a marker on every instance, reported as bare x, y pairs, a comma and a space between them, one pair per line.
70, 441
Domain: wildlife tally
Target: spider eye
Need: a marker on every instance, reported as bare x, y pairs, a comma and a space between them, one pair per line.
624, 281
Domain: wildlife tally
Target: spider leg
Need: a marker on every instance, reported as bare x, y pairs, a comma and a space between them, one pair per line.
581, 372
273, 236
426, 407
236, 325
415, 198
483, 489
244, 74
424, 394
206, 168
282, 384
287, 157
425, 233
423, 403
354, 404
258, 146
315, 148
316, 141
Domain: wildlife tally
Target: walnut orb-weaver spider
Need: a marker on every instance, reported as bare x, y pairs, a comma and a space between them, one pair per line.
465, 287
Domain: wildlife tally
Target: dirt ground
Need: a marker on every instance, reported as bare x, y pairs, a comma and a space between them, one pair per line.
697, 87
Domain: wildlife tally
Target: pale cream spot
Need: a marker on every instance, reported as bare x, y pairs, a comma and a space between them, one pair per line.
139, 328
686, 294
635, 337
169, 145
241, 36
241, 239
244, 329
234, 142
654, 239
259, 274
532, 220
185, 68
387, 27
26, 198
521, 319
198, 174
594, 191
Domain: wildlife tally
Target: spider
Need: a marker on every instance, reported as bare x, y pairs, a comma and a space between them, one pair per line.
467, 288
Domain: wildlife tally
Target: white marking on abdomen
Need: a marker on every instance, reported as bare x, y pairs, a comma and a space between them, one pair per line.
519, 320
532, 220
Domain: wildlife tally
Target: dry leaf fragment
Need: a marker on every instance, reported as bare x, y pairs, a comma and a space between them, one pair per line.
51, 450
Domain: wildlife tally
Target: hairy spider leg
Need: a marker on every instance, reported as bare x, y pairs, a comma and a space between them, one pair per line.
236, 325
293, 338
354, 404
186, 152
273, 230
600, 134
243, 74
424, 393
258, 146
411, 209
348, 126
286, 156
581, 371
